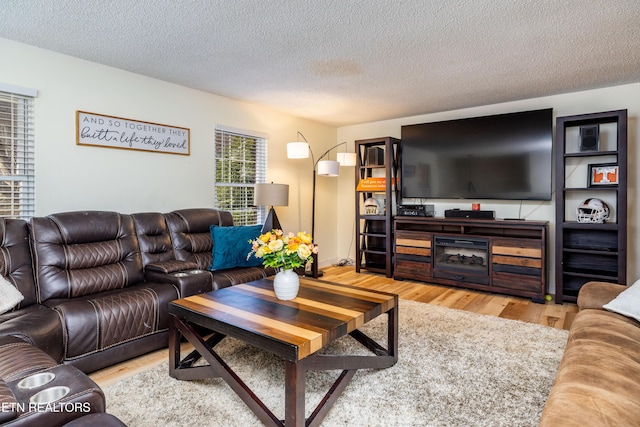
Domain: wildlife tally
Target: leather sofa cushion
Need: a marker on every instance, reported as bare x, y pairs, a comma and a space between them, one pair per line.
15, 258
598, 381
153, 237
191, 235
100, 321
597, 294
19, 359
83, 253
235, 276
37, 325
608, 330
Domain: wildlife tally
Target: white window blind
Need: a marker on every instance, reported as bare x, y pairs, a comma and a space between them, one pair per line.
240, 163
17, 172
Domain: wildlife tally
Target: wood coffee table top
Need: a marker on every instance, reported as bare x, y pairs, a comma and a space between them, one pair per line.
321, 313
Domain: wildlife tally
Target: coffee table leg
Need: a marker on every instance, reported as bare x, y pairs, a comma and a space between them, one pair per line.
294, 394
174, 345
392, 333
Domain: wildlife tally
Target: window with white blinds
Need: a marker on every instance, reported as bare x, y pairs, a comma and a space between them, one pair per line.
240, 163
17, 174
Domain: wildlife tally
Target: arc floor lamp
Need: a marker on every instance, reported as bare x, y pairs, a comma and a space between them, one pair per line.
331, 168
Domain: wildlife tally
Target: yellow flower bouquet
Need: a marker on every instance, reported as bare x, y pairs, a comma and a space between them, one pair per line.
283, 251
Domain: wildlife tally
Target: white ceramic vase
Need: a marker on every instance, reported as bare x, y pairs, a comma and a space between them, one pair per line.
286, 284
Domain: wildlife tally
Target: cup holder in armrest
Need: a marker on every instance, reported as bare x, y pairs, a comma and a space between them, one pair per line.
36, 380
49, 395
180, 274
195, 271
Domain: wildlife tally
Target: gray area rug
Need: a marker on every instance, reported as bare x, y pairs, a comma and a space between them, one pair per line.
455, 369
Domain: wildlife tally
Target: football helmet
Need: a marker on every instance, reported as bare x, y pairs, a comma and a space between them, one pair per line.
371, 206
592, 210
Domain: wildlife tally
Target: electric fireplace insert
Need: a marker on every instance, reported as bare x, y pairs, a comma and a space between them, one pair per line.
462, 259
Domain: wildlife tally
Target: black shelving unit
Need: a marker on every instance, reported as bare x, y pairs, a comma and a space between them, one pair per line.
590, 251
376, 158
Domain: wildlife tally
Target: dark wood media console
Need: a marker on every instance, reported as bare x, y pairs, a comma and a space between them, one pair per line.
503, 256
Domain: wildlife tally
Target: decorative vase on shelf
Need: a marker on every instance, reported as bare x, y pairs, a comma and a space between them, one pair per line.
286, 284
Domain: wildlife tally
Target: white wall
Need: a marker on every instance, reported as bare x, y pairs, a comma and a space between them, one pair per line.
613, 98
72, 177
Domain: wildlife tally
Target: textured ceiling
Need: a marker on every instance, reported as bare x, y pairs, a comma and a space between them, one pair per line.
348, 61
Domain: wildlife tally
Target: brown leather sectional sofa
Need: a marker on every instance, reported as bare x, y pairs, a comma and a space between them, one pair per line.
598, 381
96, 287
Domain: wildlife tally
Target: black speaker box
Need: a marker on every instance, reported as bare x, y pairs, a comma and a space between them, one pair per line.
590, 138
375, 156
462, 213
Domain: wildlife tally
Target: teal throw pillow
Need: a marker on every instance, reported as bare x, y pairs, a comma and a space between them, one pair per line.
231, 246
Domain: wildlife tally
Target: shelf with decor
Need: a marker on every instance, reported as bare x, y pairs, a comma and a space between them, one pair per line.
591, 201
377, 170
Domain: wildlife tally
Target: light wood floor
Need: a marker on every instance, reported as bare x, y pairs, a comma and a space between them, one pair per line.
549, 314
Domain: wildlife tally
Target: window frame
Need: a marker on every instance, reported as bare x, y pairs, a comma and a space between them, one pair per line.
17, 152
234, 154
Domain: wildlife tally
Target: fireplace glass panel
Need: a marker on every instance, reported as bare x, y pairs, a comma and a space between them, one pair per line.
460, 255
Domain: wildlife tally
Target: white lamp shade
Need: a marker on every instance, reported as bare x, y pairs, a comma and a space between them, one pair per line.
297, 150
347, 159
328, 168
271, 195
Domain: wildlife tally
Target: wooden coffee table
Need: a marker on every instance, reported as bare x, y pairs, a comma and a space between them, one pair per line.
294, 330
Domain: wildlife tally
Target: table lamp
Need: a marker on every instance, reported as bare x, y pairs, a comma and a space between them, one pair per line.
270, 194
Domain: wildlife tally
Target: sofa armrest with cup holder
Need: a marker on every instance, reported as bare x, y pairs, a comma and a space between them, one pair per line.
35, 390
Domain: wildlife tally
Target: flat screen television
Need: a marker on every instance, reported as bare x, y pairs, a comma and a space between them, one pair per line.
502, 157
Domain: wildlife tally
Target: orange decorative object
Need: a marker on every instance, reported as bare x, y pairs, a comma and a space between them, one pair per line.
604, 174
372, 184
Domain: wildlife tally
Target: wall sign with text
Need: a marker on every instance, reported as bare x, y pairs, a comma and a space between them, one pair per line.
115, 132
373, 184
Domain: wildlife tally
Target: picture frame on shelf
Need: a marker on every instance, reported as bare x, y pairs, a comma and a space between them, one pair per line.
604, 175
